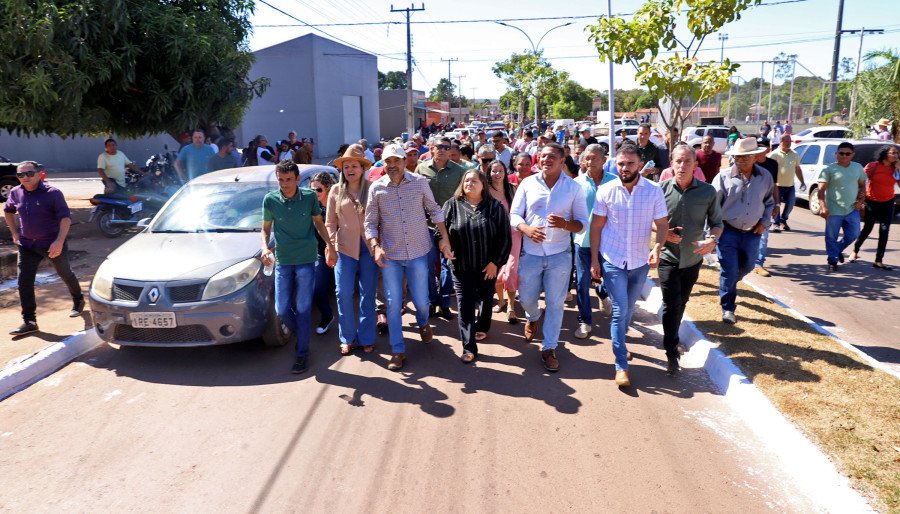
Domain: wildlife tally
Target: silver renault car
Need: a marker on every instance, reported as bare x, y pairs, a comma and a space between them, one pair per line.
193, 277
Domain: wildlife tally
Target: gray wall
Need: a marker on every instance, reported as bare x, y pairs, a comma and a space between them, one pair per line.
78, 153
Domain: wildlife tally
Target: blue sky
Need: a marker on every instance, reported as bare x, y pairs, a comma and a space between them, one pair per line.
802, 27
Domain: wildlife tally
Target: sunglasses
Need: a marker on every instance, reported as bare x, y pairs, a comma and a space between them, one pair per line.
845, 153
319, 189
442, 147
487, 160
23, 174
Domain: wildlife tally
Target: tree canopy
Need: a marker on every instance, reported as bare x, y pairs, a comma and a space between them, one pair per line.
130, 67
444, 90
392, 80
528, 75
878, 93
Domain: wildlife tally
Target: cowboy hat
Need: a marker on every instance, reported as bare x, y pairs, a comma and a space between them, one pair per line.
745, 146
884, 121
353, 153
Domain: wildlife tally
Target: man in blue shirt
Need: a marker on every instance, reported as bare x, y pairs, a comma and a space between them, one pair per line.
193, 159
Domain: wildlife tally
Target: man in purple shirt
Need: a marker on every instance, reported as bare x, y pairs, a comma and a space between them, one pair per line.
44, 222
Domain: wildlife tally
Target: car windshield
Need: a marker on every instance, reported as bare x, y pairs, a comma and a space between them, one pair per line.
805, 132
218, 207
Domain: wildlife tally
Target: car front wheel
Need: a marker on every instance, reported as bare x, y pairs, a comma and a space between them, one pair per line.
6, 186
814, 206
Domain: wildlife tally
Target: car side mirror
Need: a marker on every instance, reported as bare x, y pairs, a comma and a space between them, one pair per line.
144, 223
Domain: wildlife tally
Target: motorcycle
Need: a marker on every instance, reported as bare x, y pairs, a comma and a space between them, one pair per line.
144, 195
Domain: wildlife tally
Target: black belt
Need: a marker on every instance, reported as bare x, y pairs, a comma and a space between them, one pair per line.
729, 225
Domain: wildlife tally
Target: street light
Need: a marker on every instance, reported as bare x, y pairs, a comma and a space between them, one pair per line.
534, 50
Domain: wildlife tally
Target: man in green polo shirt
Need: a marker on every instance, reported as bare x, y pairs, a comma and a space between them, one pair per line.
295, 212
443, 177
788, 168
842, 193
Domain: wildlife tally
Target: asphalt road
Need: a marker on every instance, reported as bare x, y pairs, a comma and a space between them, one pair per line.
855, 303
229, 429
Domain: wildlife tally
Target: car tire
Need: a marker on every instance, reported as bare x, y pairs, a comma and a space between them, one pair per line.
6, 185
273, 335
814, 206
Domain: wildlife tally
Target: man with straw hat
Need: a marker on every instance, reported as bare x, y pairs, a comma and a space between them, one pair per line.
745, 193
881, 128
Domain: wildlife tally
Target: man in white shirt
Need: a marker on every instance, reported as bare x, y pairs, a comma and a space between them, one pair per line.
624, 213
548, 206
111, 166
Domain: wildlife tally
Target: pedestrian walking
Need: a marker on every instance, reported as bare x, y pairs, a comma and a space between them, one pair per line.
547, 207
626, 211
396, 227
44, 221
324, 284
479, 231
883, 173
746, 197
692, 205
508, 275
842, 193
293, 213
355, 268
770, 165
788, 167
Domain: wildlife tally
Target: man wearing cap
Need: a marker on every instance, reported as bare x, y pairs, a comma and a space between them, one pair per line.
443, 177
481, 138
745, 194
411, 161
788, 167
587, 137
882, 129
44, 222
396, 227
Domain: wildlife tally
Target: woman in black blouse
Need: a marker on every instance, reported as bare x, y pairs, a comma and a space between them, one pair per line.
479, 232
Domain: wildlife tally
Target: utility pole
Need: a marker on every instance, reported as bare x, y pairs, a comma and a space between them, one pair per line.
723, 38
410, 114
771, 93
862, 32
762, 72
837, 53
459, 113
791, 98
449, 86
611, 137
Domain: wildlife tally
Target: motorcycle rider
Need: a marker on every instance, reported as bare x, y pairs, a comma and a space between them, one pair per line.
111, 166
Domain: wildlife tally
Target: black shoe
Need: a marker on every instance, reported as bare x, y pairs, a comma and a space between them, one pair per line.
299, 366
832, 268
446, 314
432, 311
673, 367
77, 308
25, 328
785, 227
841, 257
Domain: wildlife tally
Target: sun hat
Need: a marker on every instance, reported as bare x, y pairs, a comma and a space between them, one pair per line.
353, 153
884, 121
393, 151
745, 146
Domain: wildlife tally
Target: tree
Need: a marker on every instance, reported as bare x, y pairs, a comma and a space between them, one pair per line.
392, 80
847, 68
570, 100
785, 69
529, 75
680, 78
878, 92
127, 67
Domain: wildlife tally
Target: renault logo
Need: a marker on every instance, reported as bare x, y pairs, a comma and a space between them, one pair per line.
153, 294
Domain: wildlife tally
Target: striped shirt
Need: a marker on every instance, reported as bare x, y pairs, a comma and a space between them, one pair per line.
625, 239
478, 236
397, 215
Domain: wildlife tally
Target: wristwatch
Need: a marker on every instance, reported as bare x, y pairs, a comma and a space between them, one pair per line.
714, 238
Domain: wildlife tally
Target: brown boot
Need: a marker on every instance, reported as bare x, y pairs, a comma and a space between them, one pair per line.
396, 363
551, 363
425, 333
531, 329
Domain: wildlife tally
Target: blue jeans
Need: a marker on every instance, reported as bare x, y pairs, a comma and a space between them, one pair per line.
549, 274
763, 248
737, 256
787, 196
624, 287
833, 225
583, 284
441, 287
417, 274
324, 285
346, 272
293, 300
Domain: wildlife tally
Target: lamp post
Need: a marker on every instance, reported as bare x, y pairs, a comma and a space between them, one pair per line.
534, 50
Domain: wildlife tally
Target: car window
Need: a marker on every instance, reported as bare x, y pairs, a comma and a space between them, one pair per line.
225, 207
829, 157
722, 133
800, 150
866, 153
811, 156
805, 132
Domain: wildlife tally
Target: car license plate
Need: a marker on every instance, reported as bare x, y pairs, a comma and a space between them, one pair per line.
136, 207
152, 319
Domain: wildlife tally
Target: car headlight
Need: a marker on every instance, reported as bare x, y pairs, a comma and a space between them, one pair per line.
231, 279
103, 282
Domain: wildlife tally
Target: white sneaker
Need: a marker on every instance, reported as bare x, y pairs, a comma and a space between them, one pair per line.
606, 307
728, 317
584, 330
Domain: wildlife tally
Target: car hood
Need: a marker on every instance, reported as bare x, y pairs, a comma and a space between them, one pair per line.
166, 257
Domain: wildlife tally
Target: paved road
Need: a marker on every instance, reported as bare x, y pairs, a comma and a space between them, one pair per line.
228, 429
858, 304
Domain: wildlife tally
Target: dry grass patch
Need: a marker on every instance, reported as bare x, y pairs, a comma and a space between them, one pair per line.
851, 410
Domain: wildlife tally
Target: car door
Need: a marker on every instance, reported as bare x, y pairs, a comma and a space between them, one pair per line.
809, 163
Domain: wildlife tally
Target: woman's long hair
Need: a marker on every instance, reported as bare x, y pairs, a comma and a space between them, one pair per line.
508, 190
343, 194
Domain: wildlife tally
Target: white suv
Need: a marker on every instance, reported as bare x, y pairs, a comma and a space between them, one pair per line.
693, 136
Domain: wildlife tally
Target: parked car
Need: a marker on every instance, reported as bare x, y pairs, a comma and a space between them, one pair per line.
602, 128
693, 136
815, 155
193, 277
826, 132
8, 178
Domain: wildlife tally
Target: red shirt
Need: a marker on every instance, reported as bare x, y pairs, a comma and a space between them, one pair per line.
375, 173
710, 164
880, 186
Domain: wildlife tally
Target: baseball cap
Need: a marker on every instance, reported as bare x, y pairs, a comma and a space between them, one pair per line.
393, 151
409, 146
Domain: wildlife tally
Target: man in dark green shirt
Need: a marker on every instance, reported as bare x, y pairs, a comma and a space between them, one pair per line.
692, 206
648, 151
295, 212
443, 177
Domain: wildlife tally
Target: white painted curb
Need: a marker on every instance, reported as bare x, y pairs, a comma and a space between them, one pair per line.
811, 470
23, 373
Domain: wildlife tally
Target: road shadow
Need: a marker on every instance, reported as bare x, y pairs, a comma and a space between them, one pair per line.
856, 280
